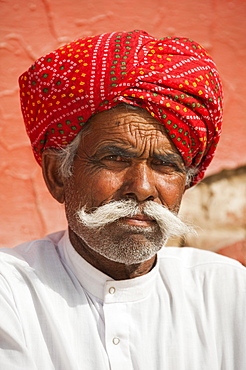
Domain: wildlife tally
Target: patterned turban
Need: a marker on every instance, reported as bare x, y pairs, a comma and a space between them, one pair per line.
172, 78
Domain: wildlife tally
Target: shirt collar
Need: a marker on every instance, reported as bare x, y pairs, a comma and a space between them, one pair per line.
101, 285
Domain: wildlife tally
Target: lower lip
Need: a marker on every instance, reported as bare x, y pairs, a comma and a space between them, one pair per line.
136, 222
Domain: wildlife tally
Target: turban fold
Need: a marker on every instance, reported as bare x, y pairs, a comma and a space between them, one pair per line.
173, 78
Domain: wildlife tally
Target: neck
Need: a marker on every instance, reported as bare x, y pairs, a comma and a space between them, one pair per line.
116, 270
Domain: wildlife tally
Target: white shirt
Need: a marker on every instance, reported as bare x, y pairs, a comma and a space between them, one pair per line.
59, 312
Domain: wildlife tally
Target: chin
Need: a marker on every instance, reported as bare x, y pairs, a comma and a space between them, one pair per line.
134, 249
132, 259
127, 245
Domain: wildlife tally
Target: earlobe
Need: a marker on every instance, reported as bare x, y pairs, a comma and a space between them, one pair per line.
52, 176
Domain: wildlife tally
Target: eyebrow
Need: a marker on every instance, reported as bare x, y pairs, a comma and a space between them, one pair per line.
169, 157
116, 150
173, 158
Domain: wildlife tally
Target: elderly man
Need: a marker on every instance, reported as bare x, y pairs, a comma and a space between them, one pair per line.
122, 125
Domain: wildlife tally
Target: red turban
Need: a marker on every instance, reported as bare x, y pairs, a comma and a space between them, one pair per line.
173, 78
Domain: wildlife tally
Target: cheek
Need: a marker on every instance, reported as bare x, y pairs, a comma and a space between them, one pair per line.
101, 188
171, 192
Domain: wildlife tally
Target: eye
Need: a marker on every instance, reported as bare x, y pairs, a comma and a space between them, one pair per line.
114, 158
166, 166
115, 162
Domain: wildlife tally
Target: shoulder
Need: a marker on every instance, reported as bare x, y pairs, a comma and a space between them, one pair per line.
192, 257
37, 255
203, 269
31, 248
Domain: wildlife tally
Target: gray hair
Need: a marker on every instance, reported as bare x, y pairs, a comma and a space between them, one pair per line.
66, 155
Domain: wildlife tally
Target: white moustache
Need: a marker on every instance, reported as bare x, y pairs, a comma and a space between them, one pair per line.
170, 224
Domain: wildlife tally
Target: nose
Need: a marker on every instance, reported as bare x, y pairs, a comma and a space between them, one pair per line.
139, 183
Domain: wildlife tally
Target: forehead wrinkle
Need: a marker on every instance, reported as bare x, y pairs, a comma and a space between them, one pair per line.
119, 117
138, 131
130, 128
147, 136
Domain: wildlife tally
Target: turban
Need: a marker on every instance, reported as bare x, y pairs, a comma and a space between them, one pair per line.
173, 78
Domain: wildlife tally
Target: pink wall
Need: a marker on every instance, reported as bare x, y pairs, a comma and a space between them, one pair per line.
30, 29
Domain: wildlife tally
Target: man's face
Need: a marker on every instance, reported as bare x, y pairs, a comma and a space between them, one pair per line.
124, 154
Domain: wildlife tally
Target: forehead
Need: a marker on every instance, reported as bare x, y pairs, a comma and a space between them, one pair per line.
126, 126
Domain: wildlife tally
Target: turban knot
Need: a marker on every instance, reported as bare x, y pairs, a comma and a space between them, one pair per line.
173, 78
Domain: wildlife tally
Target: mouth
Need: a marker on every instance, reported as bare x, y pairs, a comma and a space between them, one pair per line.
139, 220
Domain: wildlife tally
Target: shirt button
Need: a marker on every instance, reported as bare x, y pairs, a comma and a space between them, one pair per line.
111, 290
116, 341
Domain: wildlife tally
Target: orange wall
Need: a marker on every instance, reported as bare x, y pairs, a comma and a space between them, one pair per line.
32, 28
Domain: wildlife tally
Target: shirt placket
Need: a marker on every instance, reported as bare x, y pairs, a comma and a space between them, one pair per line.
116, 315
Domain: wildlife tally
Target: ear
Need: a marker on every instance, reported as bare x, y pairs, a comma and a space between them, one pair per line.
52, 177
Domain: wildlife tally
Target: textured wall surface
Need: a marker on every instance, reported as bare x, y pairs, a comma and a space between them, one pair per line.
217, 208
32, 28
